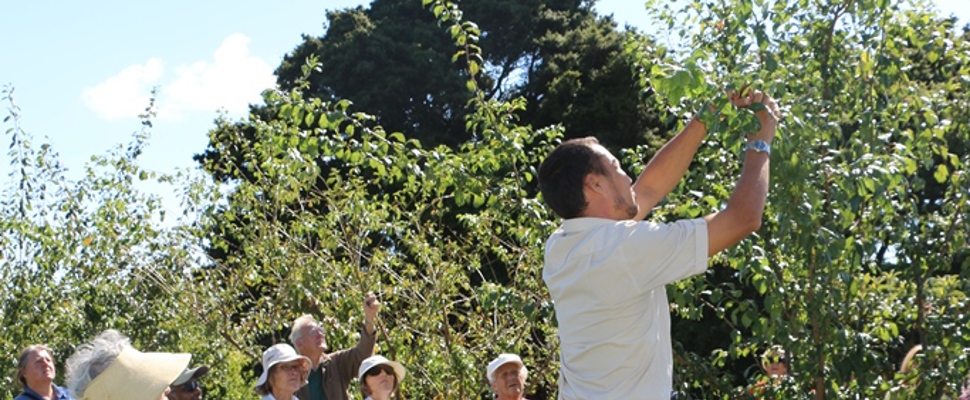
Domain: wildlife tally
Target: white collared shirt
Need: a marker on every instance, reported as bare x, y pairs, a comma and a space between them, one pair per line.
607, 280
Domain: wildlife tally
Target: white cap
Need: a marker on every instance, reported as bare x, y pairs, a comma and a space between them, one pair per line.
190, 374
501, 360
373, 361
279, 353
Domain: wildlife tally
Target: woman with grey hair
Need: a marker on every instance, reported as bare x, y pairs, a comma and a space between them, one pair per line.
108, 368
35, 373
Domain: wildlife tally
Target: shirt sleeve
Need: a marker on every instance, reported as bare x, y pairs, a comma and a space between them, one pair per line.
659, 254
349, 360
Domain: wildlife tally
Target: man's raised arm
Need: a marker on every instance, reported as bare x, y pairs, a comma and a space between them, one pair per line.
665, 169
745, 208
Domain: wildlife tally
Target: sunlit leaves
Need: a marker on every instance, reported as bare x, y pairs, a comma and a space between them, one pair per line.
866, 147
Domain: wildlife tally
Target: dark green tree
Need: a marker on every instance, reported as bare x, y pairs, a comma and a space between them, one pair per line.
392, 59
584, 82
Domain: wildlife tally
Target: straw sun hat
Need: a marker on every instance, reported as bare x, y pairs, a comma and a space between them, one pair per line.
134, 375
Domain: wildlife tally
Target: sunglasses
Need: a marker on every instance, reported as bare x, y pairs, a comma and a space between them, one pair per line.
377, 370
190, 386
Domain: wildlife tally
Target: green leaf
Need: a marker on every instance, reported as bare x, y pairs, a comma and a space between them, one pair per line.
942, 173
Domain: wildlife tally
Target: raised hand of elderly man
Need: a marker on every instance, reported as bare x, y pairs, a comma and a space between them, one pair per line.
371, 307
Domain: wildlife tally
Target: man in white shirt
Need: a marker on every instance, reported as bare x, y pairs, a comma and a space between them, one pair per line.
606, 268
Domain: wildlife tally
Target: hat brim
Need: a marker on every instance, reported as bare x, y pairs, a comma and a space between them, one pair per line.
190, 374
396, 366
137, 376
265, 375
491, 374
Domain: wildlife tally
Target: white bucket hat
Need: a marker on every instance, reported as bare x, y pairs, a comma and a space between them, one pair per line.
501, 360
278, 353
373, 361
134, 375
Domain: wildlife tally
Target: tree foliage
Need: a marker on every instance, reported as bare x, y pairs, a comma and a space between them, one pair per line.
856, 262
79, 255
312, 201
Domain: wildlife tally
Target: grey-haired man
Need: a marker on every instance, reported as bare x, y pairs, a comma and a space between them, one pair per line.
332, 373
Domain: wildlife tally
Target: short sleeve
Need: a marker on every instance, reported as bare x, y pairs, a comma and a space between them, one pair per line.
657, 254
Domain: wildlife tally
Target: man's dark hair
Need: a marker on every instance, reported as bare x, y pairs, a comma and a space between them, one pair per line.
562, 173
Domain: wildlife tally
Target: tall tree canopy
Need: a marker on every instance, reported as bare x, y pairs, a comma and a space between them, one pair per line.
393, 60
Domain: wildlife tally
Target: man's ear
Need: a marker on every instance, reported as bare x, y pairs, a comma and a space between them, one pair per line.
593, 182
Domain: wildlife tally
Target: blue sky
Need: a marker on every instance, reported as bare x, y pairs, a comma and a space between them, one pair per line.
83, 70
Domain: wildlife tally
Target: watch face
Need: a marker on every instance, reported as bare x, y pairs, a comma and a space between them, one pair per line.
759, 146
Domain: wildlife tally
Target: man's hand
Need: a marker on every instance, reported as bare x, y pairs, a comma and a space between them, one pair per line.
764, 107
371, 307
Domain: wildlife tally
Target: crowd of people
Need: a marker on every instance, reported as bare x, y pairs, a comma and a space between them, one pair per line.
606, 269
109, 368
613, 343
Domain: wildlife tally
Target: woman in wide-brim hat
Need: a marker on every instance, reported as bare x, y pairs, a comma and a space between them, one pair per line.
284, 373
379, 377
108, 368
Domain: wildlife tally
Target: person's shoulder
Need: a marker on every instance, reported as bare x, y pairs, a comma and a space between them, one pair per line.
585, 223
27, 394
63, 393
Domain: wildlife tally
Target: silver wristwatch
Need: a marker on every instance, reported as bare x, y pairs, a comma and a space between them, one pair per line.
758, 145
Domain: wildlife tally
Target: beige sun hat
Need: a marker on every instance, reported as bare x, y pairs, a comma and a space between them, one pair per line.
373, 361
134, 375
278, 353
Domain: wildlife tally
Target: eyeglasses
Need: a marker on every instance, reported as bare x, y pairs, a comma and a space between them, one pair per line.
190, 386
377, 370
290, 367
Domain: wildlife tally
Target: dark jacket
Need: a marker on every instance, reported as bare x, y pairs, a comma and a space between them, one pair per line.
339, 368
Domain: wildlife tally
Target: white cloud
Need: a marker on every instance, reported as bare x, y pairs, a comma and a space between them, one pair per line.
126, 94
231, 80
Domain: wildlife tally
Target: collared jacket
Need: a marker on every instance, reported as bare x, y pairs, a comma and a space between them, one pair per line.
339, 368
